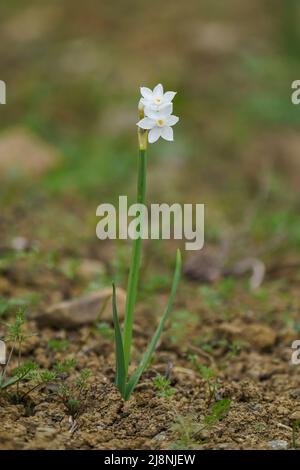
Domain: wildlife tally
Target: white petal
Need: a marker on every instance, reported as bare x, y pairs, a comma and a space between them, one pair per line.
146, 93
146, 123
154, 135
166, 109
167, 133
146, 102
168, 96
172, 120
151, 112
158, 90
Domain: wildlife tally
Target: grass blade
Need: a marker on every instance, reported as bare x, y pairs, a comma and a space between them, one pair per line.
120, 363
8, 382
149, 351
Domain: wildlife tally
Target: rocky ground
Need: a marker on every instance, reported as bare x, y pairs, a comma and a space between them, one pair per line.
243, 337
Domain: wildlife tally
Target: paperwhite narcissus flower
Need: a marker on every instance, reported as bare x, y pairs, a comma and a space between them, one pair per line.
156, 98
159, 124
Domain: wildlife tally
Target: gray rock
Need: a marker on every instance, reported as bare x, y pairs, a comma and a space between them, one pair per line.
82, 311
278, 444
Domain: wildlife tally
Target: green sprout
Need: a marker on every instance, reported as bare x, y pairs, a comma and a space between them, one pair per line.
163, 386
295, 430
105, 330
73, 392
208, 375
64, 368
58, 345
218, 412
188, 429
17, 337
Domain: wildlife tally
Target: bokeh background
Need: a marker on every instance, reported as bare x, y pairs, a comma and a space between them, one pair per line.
68, 135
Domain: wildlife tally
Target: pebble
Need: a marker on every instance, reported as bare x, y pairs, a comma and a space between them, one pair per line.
84, 310
278, 444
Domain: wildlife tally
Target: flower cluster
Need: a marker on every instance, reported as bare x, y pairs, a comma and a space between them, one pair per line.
157, 107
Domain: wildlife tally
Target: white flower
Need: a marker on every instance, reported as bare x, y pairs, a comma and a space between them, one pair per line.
156, 98
159, 123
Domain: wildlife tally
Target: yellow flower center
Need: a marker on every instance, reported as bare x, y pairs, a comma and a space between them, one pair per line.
157, 100
160, 122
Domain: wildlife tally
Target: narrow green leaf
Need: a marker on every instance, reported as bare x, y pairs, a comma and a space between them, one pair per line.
9, 382
120, 363
149, 351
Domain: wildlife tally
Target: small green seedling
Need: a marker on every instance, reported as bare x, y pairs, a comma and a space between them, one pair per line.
189, 430
105, 330
163, 386
72, 393
64, 368
208, 375
7, 305
16, 336
185, 429
235, 348
58, 345
183, 324
218, 412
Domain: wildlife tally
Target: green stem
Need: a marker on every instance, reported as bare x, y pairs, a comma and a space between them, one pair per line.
135, 263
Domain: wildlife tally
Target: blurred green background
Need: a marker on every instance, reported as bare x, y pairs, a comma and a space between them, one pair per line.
68, 134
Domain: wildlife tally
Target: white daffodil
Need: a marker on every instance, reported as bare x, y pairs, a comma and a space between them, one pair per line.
156, 98
159, 124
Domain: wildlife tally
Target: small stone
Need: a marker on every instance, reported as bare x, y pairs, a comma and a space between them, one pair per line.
295, 416
227, 446
205, 266
295, 393
281, 410
19, 244
160, 437
90, 268
260, 336
45, 433
278, 444
82, 311
86, 269
231, 331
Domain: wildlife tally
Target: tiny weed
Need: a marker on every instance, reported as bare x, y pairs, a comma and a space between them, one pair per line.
73, 392
58, 345
163, 386
16, 336
7, 305
218, 412
215, 297
185, 429
188, 430
64, 368
208, 375
105, 330
183, 323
